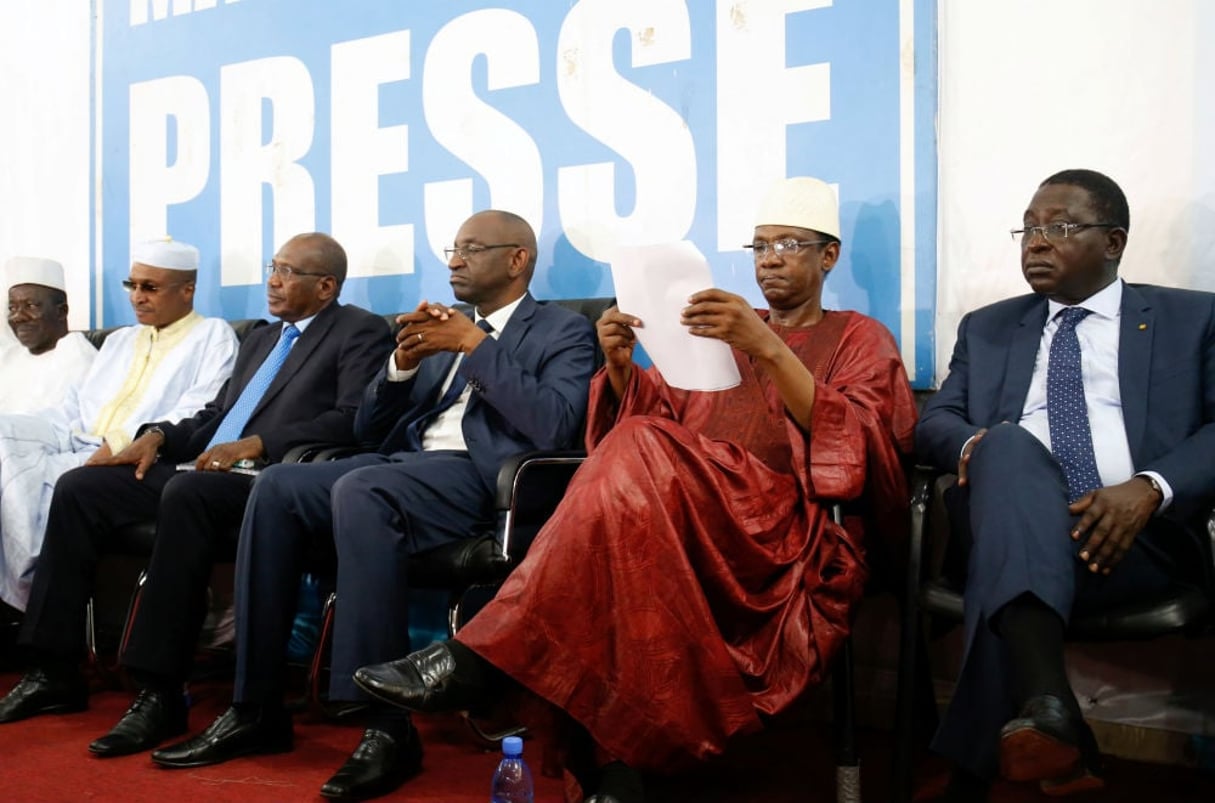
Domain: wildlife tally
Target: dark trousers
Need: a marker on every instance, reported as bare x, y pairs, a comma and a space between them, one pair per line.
1014, 514
376, 510
196, 514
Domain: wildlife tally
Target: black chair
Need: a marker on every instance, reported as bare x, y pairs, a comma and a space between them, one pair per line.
930, 595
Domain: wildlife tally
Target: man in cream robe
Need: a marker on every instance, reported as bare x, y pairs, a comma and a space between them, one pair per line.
45, 359
163, 369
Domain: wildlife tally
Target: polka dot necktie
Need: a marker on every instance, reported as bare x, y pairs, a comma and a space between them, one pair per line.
233, 425
1071, 439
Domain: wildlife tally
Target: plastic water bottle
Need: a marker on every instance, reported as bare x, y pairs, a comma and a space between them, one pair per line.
512, 779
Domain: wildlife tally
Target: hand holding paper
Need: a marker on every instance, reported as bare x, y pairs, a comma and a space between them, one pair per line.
654, 283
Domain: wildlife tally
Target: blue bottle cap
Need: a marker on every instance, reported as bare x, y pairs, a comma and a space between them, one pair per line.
512, 746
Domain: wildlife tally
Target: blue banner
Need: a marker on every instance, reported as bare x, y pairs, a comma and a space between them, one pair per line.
234, 124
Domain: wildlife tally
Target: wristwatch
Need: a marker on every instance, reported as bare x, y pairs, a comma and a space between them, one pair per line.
157, 431
1155, 485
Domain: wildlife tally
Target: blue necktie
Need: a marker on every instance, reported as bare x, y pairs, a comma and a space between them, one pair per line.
234, 422
1071, 439
413, 434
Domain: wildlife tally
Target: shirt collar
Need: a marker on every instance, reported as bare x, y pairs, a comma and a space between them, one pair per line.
301, 324
1106, 302
501, 316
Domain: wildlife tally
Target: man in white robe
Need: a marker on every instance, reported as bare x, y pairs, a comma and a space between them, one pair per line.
46, 358
163, 369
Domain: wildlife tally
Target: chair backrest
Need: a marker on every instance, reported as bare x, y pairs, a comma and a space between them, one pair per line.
242, 328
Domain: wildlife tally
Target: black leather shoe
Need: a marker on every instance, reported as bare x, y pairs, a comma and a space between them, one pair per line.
378, 765
151, 719
232, 735
36, 693
1043, 742
421, 681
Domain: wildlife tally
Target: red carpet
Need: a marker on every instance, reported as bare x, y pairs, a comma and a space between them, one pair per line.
46, 759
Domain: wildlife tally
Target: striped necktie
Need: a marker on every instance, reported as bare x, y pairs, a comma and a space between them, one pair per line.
233, 425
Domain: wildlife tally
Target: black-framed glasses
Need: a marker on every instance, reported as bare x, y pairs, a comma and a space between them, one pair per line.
1054, 232
150, 288
287, 272
467, 251
788, 246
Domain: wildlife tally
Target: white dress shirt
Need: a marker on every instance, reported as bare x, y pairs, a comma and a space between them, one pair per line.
1098, 334
447, 430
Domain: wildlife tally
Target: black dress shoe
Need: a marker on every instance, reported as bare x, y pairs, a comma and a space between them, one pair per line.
37, 693
151, 719
1043, 742
234, 734
380, 764
425, 680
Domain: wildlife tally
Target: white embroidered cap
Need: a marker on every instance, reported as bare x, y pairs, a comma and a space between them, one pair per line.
165, 252
801, 201
34, 270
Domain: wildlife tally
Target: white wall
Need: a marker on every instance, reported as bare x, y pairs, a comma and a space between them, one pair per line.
44, 138
1037, 86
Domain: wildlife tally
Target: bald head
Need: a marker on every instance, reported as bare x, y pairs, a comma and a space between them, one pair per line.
514, 229
494, 259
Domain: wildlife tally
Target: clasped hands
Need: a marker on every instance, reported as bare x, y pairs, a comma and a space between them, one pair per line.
432, 328
1110, 517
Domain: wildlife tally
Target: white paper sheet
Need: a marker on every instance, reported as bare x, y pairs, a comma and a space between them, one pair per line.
653, 283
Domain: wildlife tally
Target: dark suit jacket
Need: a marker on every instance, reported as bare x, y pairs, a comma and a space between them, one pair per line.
529, 390
314, 396
1166, 377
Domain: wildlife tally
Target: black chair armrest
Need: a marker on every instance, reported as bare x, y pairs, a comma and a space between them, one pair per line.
530, 486
530, 469
536, 483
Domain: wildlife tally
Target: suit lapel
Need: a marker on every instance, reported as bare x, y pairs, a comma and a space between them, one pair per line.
1020, 368
516, 328
1136, 332
307, 343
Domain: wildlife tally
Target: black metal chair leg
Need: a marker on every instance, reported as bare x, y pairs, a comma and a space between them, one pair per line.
847, 762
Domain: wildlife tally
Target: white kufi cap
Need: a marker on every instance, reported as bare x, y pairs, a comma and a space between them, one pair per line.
34, 270
805, 202
165, 252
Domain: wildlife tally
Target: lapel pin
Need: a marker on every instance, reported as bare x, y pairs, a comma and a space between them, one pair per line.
1142, 327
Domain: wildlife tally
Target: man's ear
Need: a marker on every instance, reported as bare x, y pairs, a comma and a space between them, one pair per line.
518, 262
1115, 244
831, 254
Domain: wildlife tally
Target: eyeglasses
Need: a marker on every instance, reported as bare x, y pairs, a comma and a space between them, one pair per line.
788, 246
465, 252
287, 273
1054, 232
150, 288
